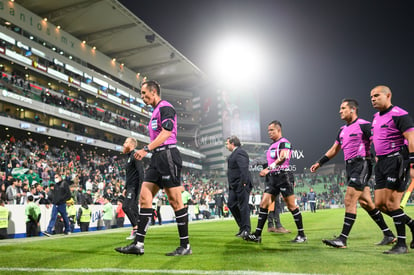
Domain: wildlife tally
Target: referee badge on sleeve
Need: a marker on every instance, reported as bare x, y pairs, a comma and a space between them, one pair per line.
273, 153
154, 124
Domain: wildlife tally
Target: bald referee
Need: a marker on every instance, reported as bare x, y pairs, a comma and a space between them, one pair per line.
391, 126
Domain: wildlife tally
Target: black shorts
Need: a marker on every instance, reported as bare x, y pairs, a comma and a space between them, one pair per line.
389, 173
280, 183
165, 168
358, 173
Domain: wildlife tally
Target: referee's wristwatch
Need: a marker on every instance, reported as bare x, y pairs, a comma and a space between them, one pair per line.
146, 149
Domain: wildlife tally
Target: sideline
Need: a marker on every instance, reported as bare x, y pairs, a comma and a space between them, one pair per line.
127, 230
141, 271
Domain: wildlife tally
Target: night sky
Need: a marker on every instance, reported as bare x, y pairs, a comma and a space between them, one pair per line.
318, 52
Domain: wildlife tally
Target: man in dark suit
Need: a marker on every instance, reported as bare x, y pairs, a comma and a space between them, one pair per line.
240, 184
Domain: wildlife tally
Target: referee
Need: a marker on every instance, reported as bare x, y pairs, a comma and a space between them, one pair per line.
280, 180
354, 139
164, 171
391, 127
134, 177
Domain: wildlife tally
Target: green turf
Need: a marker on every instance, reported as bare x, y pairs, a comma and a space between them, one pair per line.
216, 248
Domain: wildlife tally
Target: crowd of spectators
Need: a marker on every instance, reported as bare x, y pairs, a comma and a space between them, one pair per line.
28, 166
120, 118
330, 190
78, 105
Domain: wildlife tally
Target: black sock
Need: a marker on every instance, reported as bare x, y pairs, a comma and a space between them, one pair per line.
410, 223
348, 223
297, 216
261, 220
387, 213
379, 219
399, 218
181, 216
145, 215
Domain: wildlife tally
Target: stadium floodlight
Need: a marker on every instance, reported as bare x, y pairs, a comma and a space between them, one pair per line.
237, 61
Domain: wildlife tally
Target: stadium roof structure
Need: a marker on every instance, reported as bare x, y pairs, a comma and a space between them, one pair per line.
116, 32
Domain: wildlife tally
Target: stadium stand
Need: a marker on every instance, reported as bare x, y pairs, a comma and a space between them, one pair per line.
69, 96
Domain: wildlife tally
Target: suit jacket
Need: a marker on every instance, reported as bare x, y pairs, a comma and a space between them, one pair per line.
238, 174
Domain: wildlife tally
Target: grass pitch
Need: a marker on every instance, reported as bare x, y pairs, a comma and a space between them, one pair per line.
215, 250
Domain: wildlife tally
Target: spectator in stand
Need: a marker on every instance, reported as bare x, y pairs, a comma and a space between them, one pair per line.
88, 185
49, 194
87, 197
79, 195
9, 180
13, 192
25, 191
3, 191
211, 203
45, 175
109, 194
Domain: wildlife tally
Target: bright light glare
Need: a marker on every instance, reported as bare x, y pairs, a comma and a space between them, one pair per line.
237, 61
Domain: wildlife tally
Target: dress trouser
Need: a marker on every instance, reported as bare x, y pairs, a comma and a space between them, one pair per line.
238, 204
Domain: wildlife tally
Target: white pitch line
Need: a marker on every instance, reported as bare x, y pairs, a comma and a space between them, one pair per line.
142, 271
95, 232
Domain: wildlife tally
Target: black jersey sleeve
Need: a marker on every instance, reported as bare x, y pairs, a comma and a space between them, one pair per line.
366, 130
338, 139
167, 114
403, 123
285, 145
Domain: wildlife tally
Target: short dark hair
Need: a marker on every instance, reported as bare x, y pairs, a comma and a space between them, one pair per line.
276, 123
352, 103
234, 140
153, 85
